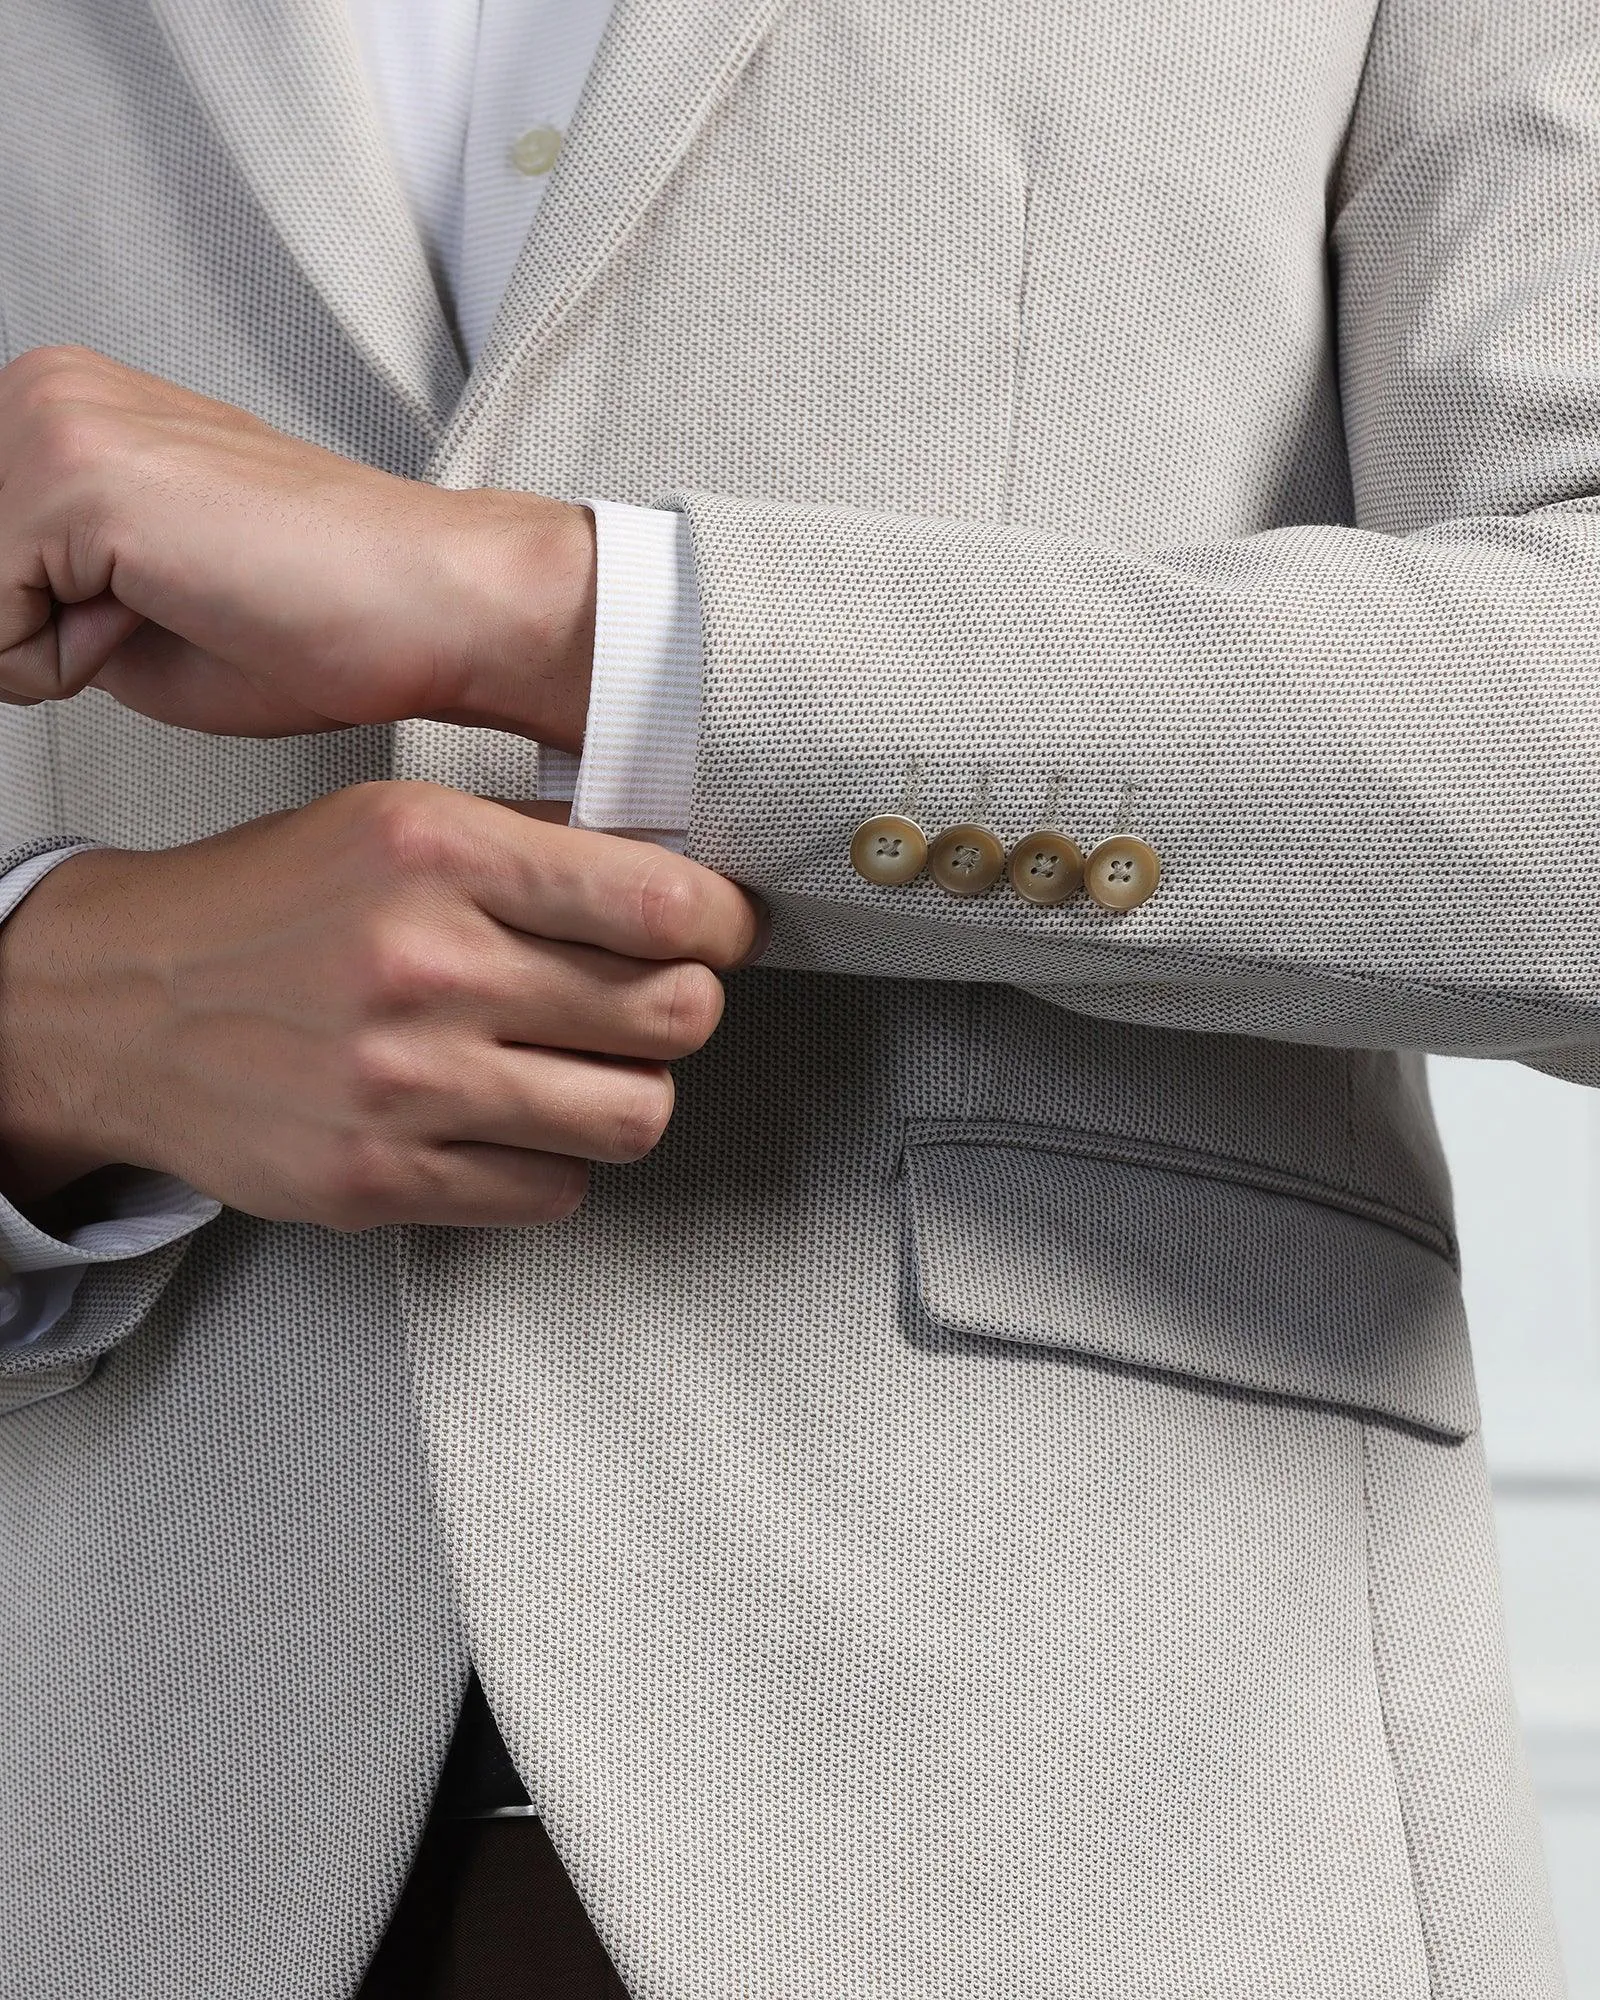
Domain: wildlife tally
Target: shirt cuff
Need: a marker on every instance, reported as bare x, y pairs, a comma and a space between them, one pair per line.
636, 774
135, 1212
16, 882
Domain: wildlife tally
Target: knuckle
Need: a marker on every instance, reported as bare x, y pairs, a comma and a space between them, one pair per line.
403, 969
643, 1115
667, 906
41, 371
358, 1185
67, 441
382, 1074
410, 832
691, 1008
54, 389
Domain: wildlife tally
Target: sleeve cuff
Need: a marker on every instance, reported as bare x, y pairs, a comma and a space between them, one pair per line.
137, 1212
637, 769
26, 875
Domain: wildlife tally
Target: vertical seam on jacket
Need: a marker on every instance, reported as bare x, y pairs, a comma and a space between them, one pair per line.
1019, 347
1413, 1869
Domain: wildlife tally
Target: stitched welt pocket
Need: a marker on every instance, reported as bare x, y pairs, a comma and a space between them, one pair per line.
1194, 1273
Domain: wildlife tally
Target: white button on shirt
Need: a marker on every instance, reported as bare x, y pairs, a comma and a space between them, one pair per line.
471, 93
475, 97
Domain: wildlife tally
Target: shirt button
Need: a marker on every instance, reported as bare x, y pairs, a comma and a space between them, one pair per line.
1122, 872
967, 859
888, 850
1046, 868
535, 152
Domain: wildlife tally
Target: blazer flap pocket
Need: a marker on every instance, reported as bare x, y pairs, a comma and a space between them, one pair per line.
1192, 1273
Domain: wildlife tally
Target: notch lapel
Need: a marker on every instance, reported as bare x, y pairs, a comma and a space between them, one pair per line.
661, 68
283, 85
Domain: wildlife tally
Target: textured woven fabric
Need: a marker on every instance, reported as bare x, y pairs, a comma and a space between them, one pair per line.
880, 1594
637, 768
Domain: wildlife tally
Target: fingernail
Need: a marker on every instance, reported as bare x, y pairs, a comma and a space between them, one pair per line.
758, 950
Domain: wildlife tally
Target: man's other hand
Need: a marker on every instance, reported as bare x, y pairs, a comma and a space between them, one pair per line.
208, 571
397, 1004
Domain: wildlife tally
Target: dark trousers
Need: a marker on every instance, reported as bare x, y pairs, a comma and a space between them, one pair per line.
488, 1912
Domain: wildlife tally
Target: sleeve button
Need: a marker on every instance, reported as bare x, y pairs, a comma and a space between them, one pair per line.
1046, 868
1122, 872
888, 850
967, 859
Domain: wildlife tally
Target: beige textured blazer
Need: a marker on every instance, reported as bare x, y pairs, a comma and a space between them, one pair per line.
993, 1507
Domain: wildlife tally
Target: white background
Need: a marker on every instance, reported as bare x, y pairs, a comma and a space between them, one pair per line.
1525, 1154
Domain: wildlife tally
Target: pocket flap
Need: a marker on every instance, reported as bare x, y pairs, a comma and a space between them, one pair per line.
1191, 1273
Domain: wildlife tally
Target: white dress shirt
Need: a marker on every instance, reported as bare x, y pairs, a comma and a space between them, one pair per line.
475, 96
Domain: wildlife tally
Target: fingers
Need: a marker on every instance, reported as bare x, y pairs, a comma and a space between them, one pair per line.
495, 1187
626, 896
629, 897
61, 647
31, 666
509, 1141
554, 1101
572, 996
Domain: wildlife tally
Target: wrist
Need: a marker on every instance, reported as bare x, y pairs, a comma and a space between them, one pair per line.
530, 637
57, 1023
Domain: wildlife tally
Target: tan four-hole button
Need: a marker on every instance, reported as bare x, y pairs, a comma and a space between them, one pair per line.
1122, 872
888, 850
967, 859
1046, 868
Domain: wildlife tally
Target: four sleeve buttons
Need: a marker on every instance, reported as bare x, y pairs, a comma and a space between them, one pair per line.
1046, 867
888, 850
967, 859
1122, 872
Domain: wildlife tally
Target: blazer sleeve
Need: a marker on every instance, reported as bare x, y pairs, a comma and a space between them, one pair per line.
120, 1267
1368, 753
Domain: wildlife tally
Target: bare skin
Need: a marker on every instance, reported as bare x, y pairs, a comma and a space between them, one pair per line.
213, 573
397, 1004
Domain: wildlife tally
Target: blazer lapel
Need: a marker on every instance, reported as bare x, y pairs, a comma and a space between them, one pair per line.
661, 67
282, 82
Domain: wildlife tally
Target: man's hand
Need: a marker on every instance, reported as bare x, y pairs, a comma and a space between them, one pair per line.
398, 1004
213, 573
